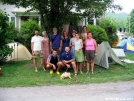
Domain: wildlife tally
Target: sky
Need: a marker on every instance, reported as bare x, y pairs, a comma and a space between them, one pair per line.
127, 5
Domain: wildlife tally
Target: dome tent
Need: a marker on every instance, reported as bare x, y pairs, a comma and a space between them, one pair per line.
20, 52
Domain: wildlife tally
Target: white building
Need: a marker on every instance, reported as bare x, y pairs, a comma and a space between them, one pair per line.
18, 14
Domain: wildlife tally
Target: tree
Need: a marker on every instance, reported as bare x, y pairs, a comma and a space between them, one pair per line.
99, 34
55, 13
7, 33
26, 32
131, 22
111, 29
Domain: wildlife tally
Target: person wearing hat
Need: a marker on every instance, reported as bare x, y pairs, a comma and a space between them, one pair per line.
45, 47
56, 41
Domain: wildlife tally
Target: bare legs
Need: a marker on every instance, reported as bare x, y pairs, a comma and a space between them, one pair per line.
35, 64
79, 66
43, 64
90, 62
60, 64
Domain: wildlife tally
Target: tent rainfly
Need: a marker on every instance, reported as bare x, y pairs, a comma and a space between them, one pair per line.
106, 56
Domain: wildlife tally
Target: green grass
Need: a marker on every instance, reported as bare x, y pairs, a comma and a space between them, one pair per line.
22, 73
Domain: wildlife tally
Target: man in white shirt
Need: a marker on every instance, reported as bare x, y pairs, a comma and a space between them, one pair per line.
36, 47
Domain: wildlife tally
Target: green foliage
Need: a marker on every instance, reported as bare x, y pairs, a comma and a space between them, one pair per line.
7, 33
109, 23
55, 13
119, 18
21, 73
27, 31
98, 33
131, 22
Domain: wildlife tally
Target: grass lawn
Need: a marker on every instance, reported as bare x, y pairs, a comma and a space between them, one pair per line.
22, 73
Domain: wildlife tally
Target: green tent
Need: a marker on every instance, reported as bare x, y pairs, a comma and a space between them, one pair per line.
106, 56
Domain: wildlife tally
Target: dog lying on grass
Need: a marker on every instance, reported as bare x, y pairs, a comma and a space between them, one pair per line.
65, 75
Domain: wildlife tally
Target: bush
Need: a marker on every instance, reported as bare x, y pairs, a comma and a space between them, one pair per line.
27, 31
106, 24
7, 33
98, 33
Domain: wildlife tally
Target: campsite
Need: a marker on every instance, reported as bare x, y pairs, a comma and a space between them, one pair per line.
21, 73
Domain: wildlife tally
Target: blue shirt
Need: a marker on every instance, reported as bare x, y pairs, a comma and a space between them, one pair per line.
67, 56
55, 40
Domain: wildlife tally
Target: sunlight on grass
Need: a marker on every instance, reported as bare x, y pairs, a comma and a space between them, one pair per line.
22, 73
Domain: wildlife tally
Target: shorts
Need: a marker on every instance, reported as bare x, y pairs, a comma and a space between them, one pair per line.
89, 55
38, 53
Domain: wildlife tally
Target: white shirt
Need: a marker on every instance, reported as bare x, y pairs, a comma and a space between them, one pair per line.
37, 40
78, 44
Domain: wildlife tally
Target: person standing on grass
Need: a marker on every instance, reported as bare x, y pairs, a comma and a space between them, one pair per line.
72, 40
65, 41
67, 59
36, 47
52, 61
45, 48
78, 53
91, 51
56, 41
84, 37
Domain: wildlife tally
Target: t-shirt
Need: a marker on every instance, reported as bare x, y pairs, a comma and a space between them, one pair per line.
55, 39
67, 56
37, 40
52, 59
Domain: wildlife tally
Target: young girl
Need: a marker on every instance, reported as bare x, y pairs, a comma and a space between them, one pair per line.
45, 48
79, 57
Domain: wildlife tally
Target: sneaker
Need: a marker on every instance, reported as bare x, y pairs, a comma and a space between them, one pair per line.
44, 69
75, 74
51, 71
36, 70
57, 73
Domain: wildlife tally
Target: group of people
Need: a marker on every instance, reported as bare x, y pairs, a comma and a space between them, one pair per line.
61, 51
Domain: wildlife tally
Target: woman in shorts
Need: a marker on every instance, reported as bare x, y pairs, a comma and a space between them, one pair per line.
91, 51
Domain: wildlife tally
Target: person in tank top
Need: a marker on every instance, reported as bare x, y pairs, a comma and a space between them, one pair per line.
91, 51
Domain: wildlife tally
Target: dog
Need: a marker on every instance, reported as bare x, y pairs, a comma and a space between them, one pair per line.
65, 75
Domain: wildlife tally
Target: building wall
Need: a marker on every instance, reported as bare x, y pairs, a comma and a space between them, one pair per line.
8, 8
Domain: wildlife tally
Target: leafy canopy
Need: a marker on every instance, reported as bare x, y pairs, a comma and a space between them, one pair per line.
55, 13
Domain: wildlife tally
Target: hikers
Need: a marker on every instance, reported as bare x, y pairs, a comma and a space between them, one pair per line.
45, 48
72, 54
91, 51
67, 60
36, 48
56, 41
52, 61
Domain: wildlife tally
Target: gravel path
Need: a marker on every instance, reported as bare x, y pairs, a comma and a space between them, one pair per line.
119, 91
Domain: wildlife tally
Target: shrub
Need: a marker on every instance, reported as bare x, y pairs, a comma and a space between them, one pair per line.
109, 23
98, 33
27, 31
7, 33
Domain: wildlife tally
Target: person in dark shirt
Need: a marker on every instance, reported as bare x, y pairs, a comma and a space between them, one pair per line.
56, 41
67, 59
52, 61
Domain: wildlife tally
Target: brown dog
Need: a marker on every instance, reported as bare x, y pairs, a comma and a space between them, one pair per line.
65, 75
